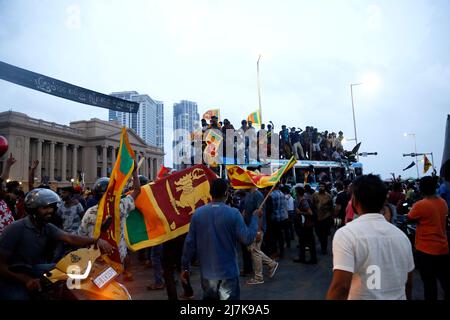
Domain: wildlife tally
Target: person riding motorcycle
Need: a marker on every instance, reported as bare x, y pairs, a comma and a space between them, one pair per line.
24, 244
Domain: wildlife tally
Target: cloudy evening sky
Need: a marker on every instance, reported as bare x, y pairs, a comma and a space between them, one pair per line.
206, 51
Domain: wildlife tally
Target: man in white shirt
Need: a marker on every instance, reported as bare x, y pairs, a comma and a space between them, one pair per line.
372, 259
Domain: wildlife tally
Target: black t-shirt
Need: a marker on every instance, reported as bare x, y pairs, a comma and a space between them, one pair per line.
22, 244
342, 199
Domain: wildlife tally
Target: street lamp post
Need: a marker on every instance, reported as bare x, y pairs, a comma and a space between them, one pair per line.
259, 88
415, 151
353, 109
432, 162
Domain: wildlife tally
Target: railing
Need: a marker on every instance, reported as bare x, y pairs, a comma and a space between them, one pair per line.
46, 124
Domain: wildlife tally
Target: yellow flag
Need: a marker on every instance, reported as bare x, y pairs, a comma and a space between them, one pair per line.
426, 164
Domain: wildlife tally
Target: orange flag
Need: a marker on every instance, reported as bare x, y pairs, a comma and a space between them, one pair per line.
246, 179
426, 164
109, 205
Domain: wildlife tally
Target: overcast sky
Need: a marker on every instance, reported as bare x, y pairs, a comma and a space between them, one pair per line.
206, 51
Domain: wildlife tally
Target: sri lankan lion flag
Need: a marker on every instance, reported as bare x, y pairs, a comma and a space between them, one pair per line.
246, 179
426, 164
164, 208
255, 117
110, 203
210, 113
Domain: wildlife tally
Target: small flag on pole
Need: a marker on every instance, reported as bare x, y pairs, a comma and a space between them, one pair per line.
410, 166
426, 164
246, 179
210, 113
163, 172
255, 117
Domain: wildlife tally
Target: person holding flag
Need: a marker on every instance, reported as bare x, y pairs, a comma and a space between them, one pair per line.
113, 205
214, 233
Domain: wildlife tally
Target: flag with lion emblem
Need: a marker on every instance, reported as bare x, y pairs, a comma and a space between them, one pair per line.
164, 208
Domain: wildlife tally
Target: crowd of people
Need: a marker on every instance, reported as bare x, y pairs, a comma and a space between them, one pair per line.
364, 218
308, 144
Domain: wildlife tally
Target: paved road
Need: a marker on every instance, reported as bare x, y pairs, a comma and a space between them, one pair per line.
293, 281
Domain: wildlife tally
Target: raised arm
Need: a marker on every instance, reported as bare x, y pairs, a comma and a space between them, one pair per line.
9, 163
31, 174
136, 184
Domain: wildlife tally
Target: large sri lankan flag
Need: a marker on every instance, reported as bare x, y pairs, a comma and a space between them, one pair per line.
109, 205
164, 208
246, 179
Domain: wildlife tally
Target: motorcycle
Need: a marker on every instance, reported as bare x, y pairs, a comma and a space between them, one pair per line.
407, 226
84, 275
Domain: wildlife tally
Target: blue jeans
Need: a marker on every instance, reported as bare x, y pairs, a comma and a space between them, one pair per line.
14, 290
155, 256
228, 289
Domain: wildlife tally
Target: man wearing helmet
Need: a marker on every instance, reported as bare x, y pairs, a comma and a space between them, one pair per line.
24, 243
143, 180
126, 206
98, 190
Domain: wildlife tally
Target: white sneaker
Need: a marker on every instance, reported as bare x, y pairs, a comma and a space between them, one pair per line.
273, 270
255, 281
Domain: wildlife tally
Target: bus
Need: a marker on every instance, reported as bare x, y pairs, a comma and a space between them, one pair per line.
312, 172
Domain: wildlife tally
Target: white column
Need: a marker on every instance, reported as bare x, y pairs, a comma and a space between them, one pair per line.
26, 158
75, 162
38, 170
155, 167
52, 161
150, 167
105, 160
145, 165
138, 158
64, 162
113, 156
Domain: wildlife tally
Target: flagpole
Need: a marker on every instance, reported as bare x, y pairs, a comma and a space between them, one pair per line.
271, 190
259, 89
432, 162
267, 196
417, 161
415, 151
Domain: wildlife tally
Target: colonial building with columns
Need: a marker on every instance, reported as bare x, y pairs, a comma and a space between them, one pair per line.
85, 148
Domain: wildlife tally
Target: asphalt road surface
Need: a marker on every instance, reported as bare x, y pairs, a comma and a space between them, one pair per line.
292, 281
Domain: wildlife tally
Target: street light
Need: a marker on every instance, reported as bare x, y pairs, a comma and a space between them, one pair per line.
353, 109
259, 88
415, 150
